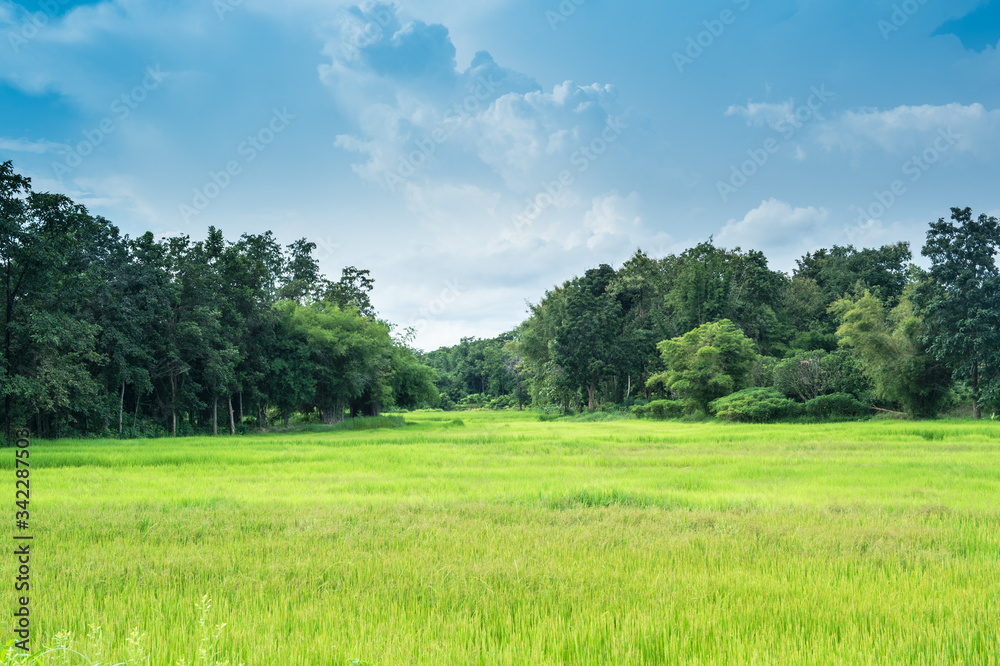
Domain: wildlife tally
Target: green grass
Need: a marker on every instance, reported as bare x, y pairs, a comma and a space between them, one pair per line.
501, 539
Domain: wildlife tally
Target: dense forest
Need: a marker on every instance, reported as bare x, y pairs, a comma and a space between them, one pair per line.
715, 331
110, 335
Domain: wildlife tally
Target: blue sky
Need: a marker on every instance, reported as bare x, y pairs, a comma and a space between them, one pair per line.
472, 155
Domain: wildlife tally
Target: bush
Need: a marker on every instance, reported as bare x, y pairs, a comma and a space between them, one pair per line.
836, 405
754, 405
598, 417
660, 410
501, 402
366, 423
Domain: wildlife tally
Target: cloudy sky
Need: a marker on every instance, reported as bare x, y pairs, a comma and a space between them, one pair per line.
474, 154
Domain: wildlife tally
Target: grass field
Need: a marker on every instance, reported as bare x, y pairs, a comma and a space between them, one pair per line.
506, 540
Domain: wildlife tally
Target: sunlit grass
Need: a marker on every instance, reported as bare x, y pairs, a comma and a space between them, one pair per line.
502, 539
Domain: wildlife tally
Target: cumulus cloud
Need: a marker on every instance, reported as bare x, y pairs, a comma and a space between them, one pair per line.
612, 217
469, 150
782, 232
415, 107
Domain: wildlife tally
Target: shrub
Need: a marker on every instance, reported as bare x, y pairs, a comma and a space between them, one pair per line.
367, 423
754, 405
659, 409
598, 417
835, 405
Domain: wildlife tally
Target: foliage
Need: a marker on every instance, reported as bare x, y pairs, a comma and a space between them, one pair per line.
104, 334
754, 405
660, 410
892, 353
490, 368
836, 405
960, 300
808, 375
707, 363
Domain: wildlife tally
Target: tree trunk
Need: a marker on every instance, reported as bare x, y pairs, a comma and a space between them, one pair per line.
135, 417
628, 393
974, 381
215, 415
241, 407
232, 425
173, 401
590, 394
334, 413
121, 409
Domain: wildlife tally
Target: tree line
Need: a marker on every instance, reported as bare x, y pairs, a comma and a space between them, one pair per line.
106, 334
850, 331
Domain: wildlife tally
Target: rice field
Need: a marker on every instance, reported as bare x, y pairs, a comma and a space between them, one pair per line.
495, 538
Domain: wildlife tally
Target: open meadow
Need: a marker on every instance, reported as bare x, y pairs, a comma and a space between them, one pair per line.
496, 538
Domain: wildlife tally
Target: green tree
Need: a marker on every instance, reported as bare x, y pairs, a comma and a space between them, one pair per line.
840, 270
710, 284
585, 343
961, 300
353, 290
892, 354
808, 375
301, 281
707, 363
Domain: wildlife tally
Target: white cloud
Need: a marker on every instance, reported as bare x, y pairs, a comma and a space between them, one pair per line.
416, 109
782, 232
759, 114
67, 54
28, 146
612, 216
532, 136
908, 128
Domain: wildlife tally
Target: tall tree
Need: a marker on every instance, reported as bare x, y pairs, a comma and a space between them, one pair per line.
892, 353
585, 343
961, 300
302, 281
18, 262
353, 290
